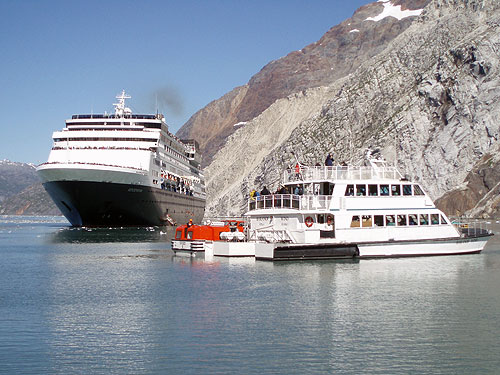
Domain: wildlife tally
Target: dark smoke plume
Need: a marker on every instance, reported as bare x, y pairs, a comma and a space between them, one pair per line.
168, 100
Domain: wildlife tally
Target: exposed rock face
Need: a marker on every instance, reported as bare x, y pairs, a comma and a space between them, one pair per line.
480, 194
429, 102
339, 52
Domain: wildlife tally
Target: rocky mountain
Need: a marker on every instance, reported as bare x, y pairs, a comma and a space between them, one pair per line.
428, 102
21, 192
32, 200
14, 177
338, 53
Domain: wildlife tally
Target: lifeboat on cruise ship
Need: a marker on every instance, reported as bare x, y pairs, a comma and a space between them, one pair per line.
194, 238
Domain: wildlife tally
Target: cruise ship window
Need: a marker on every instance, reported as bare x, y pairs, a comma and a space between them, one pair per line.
395, 190
424, 219
412, 219
401, 220
389, 220
417, 190
367, 220
372, 190
406, 189
378, 220
360, 190
384, 190
349, 190
355, 222
434, 219
443, 220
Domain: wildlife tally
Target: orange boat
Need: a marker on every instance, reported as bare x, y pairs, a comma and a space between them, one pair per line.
193, 238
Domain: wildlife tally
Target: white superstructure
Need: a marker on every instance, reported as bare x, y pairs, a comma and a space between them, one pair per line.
370, 210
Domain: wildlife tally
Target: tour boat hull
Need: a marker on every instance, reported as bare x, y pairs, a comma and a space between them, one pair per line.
450, 246
395, 249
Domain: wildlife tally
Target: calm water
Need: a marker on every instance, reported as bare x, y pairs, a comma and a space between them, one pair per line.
117, 301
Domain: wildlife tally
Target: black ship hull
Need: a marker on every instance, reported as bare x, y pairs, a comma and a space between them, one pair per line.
86, 203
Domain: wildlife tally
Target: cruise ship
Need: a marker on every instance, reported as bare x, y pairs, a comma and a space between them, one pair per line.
123, 169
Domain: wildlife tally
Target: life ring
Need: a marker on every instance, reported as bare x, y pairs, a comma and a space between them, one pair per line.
309, 221
329, 220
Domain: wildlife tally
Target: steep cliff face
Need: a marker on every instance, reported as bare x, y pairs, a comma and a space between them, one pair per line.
428, 102
479, 195
339, 52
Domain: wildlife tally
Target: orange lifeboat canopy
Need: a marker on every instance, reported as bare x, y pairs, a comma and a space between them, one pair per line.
210, 232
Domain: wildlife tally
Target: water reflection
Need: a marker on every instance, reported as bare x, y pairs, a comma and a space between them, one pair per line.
88, 306
72, 235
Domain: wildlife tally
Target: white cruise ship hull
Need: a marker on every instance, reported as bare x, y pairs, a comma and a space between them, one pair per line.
89, 195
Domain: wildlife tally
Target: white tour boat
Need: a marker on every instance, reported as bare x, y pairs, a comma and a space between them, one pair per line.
123, 169
351, 211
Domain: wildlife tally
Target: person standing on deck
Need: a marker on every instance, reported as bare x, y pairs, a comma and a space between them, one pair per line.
329, 160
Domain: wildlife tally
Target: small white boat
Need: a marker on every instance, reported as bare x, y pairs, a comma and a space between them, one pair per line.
353, 211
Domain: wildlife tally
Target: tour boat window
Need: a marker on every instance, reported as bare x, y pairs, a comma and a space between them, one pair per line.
443, 220
384, 190
412, 219
417, 190
401, 220
434, 219
424, 219
378, 220
372, 190
355, 222
395, 190
190, 235
360, 190
389, 220
349, 190
178, 235
367, 220
406, 189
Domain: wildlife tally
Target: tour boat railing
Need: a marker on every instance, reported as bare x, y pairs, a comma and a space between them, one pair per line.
290, 201
336, 173
270, 235
472, 228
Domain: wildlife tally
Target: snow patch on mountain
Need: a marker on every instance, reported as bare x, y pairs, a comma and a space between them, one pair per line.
391, 10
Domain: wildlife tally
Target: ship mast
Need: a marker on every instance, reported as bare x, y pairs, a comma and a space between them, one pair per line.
120, 109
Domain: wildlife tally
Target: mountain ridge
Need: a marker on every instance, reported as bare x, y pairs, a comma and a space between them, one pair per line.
339, 51
428, 97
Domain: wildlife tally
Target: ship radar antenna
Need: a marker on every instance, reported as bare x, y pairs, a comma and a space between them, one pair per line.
120, 109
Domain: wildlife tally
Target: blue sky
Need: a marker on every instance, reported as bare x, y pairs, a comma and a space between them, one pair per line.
60, 58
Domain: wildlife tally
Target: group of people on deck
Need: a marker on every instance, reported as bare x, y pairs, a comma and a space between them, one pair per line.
296, 190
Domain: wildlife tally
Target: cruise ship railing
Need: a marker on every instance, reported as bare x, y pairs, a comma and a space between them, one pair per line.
290, 201
336, 173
